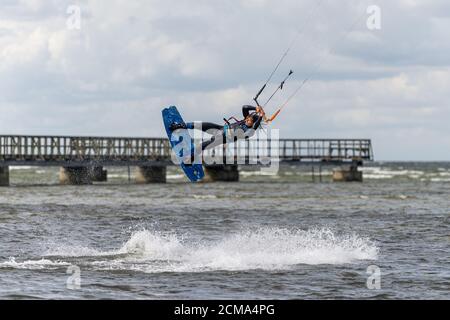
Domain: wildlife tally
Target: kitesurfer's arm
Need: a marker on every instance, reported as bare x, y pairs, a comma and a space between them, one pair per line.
257, 123
246, 110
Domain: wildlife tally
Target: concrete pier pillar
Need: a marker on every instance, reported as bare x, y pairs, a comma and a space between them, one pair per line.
225, 173
98, 174
347, 174
75, 175
4, 176
145, 175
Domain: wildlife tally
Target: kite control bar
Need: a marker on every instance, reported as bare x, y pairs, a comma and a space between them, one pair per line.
280, 87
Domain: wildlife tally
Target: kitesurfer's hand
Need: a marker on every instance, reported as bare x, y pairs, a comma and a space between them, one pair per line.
260, 110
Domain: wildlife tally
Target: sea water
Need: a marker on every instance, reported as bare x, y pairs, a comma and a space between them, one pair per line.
279, 236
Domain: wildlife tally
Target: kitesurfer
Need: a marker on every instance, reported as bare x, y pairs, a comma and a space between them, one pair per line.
222, 134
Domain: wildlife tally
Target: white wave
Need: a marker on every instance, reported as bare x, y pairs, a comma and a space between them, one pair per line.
257, 173
20, 168
117, 176
175, 176
316, 173
32, 264
77, 251
377, 170
264, 248
440, 180
125, 176
204, 196
386, 173
154, 245
377, 176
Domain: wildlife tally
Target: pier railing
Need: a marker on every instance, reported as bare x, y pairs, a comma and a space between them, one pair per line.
59, 150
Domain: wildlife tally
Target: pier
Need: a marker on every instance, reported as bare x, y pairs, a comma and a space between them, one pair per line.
82, 159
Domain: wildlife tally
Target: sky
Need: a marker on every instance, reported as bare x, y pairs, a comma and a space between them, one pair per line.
108, 68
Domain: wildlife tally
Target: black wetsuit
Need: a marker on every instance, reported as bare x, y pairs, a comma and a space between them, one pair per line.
220, 135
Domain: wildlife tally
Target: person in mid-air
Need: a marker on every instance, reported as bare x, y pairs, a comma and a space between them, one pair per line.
243, 129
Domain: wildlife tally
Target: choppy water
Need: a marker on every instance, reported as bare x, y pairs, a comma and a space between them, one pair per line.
269, 237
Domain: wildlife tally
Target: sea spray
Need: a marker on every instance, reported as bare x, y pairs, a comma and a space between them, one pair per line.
256, 248
263, 248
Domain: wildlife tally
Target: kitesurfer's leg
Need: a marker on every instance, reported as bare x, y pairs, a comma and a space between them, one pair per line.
203, 126
177, 126
211, 126
215, 141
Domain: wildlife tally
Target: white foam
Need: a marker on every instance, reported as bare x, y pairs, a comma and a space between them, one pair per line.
250, 249
76, 251
156, 246
257, 173
205, 196
386, 173
32, 264
440, 180
377, 176
264, 248
117, 176
17, 168
175, 176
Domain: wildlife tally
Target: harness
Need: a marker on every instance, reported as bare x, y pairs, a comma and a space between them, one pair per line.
228, 128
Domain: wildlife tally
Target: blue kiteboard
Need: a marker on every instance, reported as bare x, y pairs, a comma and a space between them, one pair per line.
181, 141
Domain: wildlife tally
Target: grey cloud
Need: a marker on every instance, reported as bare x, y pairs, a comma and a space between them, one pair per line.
130, 59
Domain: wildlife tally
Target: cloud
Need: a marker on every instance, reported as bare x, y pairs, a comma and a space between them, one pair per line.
131, 58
